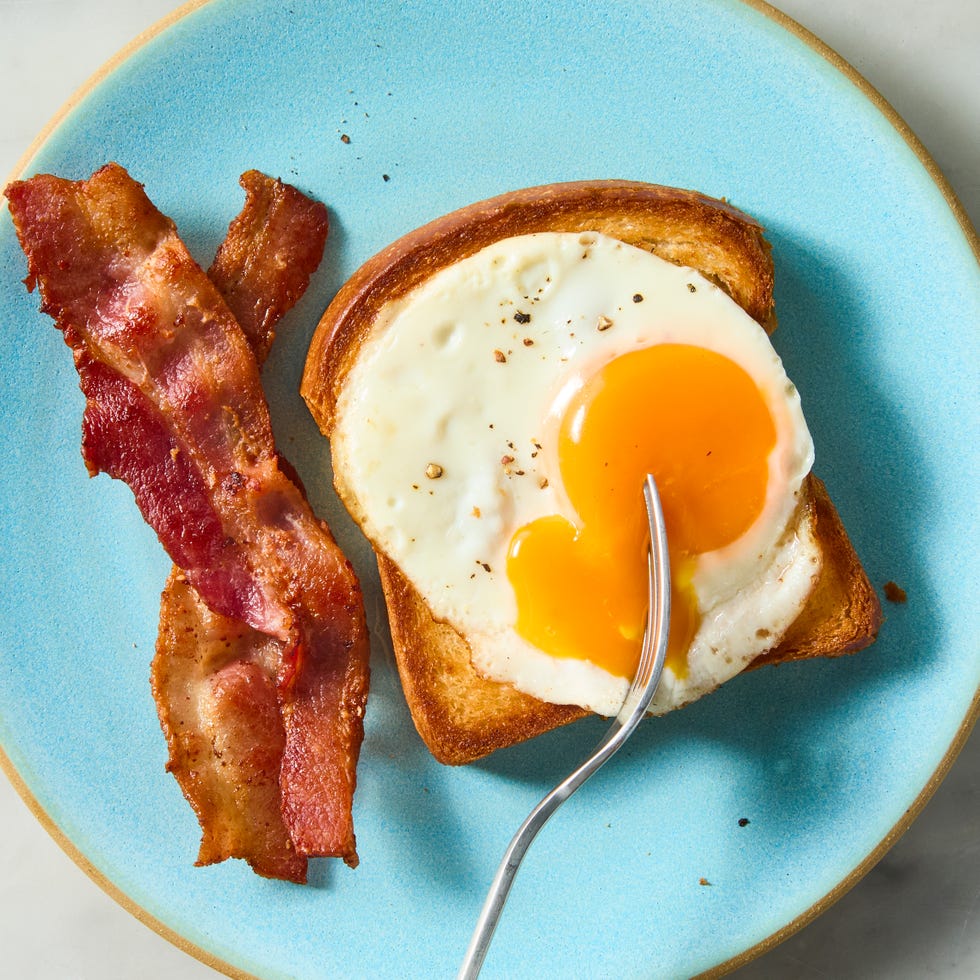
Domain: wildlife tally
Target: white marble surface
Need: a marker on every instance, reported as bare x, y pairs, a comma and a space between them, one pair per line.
917, 914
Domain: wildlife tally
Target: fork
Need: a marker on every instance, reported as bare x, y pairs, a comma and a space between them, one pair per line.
638, 698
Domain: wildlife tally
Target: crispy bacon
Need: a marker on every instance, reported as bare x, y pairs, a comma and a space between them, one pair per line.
265, 262
159, 353
214, 684
214, 678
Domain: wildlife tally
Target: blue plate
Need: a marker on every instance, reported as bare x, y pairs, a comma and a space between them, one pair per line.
444, 104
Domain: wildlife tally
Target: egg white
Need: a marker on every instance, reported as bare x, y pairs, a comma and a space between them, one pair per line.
445, 444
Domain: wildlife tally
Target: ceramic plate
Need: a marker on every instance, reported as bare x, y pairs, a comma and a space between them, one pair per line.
443, 104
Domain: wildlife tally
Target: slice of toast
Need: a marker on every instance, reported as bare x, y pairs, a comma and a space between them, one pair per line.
460, 714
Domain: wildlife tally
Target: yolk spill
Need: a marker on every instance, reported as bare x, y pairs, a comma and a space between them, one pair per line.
696, 421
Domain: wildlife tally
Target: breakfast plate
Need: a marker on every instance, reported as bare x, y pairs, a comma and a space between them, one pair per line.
718, 827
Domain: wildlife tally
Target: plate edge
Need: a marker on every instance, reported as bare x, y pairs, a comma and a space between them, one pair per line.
846, 884
80, 93
890, 113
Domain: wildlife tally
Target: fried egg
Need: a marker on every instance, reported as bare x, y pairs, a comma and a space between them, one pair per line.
492, 440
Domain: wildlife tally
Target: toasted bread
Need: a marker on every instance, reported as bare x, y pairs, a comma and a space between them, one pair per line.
460, 714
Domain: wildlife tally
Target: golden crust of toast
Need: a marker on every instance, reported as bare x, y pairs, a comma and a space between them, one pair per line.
681, 226
461, 715
843, 612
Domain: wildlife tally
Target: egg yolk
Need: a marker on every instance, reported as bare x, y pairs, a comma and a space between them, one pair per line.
696, 421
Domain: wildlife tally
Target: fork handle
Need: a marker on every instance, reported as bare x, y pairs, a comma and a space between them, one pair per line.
486, 924
634, 708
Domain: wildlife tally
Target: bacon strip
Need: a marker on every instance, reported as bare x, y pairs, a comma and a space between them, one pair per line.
156, 344
265, 262
213, 678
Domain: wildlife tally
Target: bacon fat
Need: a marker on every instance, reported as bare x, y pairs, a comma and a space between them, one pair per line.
174, 407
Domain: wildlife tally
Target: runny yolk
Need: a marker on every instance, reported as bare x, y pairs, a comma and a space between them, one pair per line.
696, 421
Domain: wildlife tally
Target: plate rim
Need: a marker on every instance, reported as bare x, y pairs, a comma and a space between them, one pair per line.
837, 62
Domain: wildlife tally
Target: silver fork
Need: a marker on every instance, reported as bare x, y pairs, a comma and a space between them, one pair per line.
637, 701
